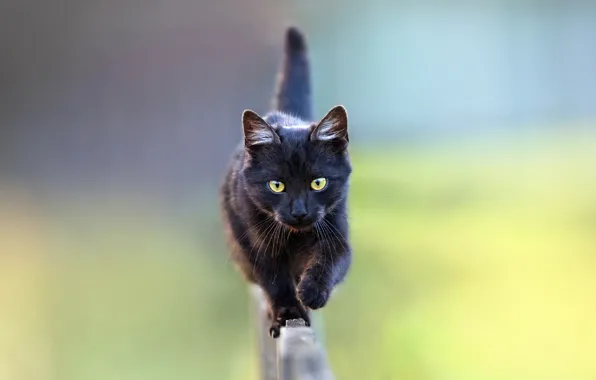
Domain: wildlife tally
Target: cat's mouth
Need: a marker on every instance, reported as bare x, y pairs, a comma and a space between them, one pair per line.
296, 226
299, 227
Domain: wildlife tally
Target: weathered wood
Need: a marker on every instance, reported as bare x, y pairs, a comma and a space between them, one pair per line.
295, 355
300, 356
267, 349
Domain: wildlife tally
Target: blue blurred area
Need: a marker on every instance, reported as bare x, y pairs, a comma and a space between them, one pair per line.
451, 67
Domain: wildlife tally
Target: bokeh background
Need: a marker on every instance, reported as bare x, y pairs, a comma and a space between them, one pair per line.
473, 201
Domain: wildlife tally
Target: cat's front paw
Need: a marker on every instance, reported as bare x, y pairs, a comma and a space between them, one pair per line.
312, 294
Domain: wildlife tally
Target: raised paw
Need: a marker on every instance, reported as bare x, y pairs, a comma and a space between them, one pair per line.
280, 315
312, 294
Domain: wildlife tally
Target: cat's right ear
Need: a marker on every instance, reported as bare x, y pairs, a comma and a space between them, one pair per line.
257, 131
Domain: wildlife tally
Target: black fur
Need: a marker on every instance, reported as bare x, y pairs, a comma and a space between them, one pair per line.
294, 90
293, 244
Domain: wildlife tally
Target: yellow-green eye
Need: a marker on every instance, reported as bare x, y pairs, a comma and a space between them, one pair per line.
276, 186
318, 184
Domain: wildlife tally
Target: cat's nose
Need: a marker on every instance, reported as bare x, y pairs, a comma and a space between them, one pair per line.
299, 210
299, 214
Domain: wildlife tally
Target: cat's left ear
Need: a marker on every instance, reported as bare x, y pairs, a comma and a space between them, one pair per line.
333, 127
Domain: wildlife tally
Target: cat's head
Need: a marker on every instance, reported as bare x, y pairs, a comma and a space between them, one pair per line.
294, 171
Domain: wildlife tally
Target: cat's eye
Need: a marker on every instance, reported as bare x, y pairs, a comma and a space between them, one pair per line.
319, 184
276, 186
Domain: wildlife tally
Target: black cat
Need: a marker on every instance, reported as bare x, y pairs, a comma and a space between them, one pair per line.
284, 197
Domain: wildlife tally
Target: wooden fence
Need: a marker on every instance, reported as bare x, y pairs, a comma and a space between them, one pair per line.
297, 354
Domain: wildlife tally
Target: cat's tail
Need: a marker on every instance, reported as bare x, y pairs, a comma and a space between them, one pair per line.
293, 94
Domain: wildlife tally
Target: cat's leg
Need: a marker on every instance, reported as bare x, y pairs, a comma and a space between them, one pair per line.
280, 290
321, 276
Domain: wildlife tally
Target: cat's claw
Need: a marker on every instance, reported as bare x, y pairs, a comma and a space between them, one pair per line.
312, 294
283, 314
274, 331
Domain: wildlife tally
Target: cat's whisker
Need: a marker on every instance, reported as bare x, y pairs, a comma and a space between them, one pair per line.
332, 255
258, 232
320, 238
272, 238
261, 241
248, 230
339, 238
327, 238
253, 227
278, 229
264, 242
282, 237
277, 244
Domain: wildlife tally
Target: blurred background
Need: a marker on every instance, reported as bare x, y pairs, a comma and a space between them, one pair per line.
473, 200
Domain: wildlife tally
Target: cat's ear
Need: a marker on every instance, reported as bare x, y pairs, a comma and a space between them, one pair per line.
333, 127
256, 130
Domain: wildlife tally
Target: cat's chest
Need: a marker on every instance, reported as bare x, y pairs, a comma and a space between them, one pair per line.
298, 253
300, 244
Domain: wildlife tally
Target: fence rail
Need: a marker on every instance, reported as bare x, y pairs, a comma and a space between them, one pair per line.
296, 355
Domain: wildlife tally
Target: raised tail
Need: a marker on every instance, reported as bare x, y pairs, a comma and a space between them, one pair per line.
293, 94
